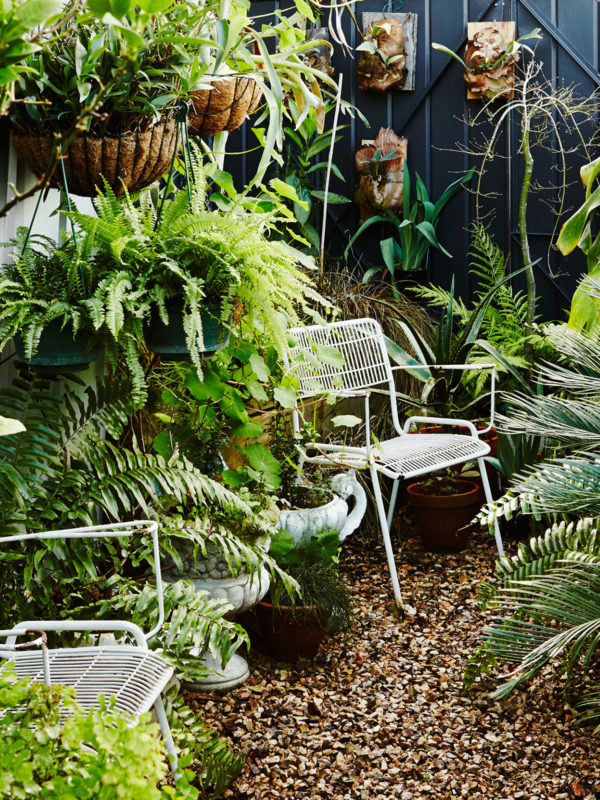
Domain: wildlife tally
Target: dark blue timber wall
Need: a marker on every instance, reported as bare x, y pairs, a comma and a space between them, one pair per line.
433, 118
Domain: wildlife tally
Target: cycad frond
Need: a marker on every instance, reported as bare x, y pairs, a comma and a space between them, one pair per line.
550, 615
561, 486
570, 422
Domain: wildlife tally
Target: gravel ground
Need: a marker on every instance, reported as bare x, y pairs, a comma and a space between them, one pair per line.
380, 713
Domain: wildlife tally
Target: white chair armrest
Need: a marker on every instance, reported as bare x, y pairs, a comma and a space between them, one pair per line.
442, 421
77, 625
114, 530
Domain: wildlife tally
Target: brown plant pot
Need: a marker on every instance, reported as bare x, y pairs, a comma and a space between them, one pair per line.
224, 107
443, 520
284, 636
133, 159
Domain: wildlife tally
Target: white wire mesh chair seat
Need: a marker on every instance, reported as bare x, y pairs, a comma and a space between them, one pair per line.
134, 675
365, 365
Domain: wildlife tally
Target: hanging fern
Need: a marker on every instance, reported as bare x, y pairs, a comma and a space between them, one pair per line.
47, 282
190, 256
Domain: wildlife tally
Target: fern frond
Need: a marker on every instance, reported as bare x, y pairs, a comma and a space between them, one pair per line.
218, 763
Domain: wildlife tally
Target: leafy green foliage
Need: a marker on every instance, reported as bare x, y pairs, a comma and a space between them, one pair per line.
415, 233
18, 20
48, 282
548, 593
301, 169
577, 232
569, 418
324, 595
42, 755
444, 391
509, 340
194, 623
184, 255
108, 76
216, 764
65, 466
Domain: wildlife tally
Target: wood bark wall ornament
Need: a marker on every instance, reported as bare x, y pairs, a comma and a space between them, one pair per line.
388, 52
490, 71
380, 170
319, 57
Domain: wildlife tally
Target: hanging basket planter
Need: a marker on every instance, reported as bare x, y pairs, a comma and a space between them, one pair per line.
169, 341
132, 159
59, 351
224, 107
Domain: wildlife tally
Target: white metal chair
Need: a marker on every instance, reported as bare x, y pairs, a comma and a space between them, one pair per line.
366, 365
134, 675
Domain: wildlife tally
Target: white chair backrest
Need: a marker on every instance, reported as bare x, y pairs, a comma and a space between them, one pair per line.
362, 347
118, 529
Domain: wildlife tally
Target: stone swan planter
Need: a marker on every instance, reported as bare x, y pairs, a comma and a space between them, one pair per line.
333, 516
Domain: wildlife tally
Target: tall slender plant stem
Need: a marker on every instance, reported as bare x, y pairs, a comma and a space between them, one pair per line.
525, 187
328, 174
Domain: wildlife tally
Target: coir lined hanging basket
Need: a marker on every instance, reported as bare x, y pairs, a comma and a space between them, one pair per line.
224, 107
133, 159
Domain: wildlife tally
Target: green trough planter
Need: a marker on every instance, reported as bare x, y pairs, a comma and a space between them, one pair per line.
59, 351
168, 341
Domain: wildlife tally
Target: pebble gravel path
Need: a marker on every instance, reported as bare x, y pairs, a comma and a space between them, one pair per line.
380, 713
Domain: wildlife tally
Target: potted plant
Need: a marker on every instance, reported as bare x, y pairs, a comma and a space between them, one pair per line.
293, 627
47, 304
174, 261
103, 100
444, 506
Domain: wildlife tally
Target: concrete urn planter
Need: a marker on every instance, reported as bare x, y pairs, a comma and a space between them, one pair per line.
213, 575
333, 516
242, 592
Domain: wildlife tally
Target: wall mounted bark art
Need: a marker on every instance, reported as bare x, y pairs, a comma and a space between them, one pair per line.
388, 52
380, 169
490, 70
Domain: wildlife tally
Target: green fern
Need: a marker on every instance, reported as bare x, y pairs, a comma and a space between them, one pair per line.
189, 255
217, 763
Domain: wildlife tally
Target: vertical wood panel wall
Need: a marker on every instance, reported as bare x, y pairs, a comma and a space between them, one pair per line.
433, 118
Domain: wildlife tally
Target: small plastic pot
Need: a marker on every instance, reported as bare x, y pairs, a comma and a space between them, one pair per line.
59, 351
168, 341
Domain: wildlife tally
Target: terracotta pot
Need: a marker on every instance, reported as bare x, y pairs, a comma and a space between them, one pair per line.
284, 636
224, 107
133, 159
444, 520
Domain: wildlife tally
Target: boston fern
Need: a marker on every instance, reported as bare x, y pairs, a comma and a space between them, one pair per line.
47, 282
176, 252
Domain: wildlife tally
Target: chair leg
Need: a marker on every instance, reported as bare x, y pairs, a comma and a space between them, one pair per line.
392, 506
385, 532
166, 735
488, 496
